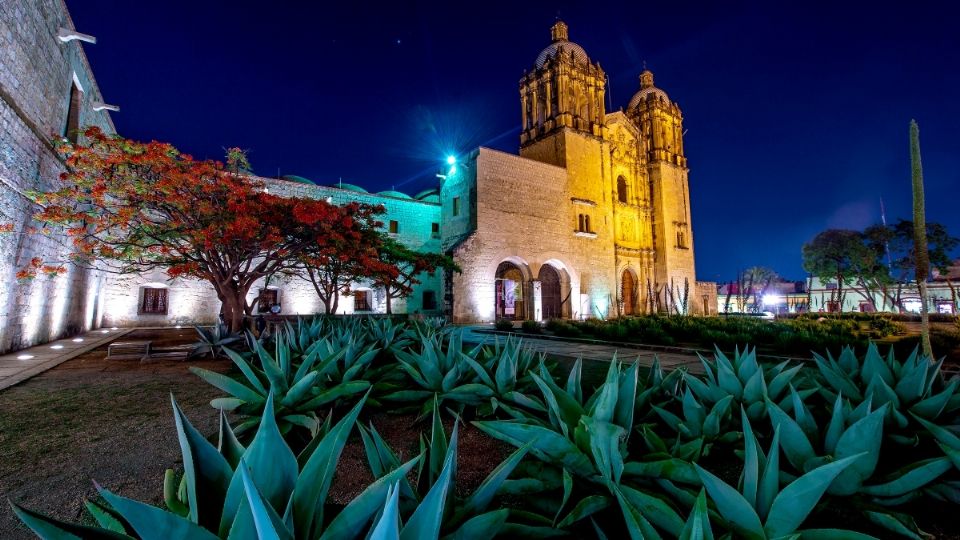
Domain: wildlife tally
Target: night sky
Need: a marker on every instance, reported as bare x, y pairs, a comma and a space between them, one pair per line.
797, 112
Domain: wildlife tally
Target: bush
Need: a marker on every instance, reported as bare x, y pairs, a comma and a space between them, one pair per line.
504, 325
531, 327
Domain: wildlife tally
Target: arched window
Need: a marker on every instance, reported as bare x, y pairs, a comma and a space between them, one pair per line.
622, 189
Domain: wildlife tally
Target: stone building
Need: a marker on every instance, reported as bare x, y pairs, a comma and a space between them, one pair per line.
46, 89
592, 219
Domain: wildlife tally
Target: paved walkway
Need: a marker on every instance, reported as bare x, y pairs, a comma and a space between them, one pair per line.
21, 365
595, 352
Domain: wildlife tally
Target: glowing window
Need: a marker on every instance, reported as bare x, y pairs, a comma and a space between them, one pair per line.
154, 301
361, 301
394, 226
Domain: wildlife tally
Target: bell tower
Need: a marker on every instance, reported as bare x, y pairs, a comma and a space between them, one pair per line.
563, 90
660, 123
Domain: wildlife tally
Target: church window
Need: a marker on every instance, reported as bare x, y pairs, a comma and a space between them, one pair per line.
435, 230
394, 226
72, 131
361, 301
429, 300
622, 189
456, 206
681, 240
154, 301
583, 223
268, 298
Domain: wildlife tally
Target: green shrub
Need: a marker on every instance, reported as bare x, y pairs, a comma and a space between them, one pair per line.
531, 327
503, 325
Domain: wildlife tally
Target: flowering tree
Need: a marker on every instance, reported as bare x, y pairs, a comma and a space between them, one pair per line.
332, 266
405, 265
133, 207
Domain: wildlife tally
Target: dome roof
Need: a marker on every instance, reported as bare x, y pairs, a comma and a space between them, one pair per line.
642, 96
646, 88
349, 187
561, 45
395, 194
295, 178
426, 193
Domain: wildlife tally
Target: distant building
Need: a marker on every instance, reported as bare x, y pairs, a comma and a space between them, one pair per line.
817, 296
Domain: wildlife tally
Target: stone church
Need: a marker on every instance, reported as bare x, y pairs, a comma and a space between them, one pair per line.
591, 219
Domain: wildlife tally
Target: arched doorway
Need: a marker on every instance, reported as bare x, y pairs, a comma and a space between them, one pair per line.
550, 299
509, 292
629, 292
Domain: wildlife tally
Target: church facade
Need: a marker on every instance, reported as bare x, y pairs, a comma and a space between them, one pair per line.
591, 219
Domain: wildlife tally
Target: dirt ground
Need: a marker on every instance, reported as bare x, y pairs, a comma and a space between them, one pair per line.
110, 421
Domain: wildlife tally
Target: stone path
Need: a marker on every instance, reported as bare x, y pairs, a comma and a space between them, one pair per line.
596, 352
19, 366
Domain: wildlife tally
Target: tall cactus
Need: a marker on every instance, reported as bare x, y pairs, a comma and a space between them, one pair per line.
922, 257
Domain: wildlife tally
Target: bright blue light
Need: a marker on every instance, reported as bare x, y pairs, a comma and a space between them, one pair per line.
451, 160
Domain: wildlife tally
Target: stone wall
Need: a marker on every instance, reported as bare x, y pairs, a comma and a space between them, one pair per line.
37, 72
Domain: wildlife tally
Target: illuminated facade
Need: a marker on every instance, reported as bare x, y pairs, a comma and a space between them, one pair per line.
591, 219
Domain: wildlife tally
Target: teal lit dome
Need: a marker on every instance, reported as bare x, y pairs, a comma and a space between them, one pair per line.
349, 187
297, 179
426, 193
395, 194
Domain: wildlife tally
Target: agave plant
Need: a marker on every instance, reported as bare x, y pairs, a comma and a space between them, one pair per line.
506, 370
213, 341
300, 390
441, 371
760, 509
586, 441
914, 388
698, 428
749, 382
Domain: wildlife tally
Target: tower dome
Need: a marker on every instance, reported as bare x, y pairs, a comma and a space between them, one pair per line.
646, 88
561, 45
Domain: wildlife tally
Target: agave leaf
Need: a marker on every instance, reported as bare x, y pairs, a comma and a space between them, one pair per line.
171, 495
835, 428
795, 501
753, 461
673, 469
273, 371
231, 386
626, 398
863, 438
246, 369
206, 472
332, 394
693, 411
524, 400
912, 383
605, 440
267, 523
152, 523
697, 526
587, 506
932, 406
426, 519
803, 416
481, 497
574, 387
726, 377
351, 521
387, 526
310, 491
226, 403
900, 524
837, 379
711, 424
272, 464
637, 525
438, 449
605, 399
781, 381
755, 389
106, 517
480, 371
700, 389
653, 509
732, 506
770, 478
49, 528
300, 389
548, 445
793, 439
481, 527
833, 534
874, 366
912, 477
470, 393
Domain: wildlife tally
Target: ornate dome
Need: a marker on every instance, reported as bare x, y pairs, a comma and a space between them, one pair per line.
646, 88
561, 45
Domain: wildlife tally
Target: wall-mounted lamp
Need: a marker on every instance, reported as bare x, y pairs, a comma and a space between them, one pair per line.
101, 106
66, 35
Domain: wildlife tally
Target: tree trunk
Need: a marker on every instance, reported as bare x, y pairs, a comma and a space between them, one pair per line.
388, 295
920, 237
232, 308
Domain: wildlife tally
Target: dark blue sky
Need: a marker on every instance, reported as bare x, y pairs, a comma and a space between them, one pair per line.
797, 111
